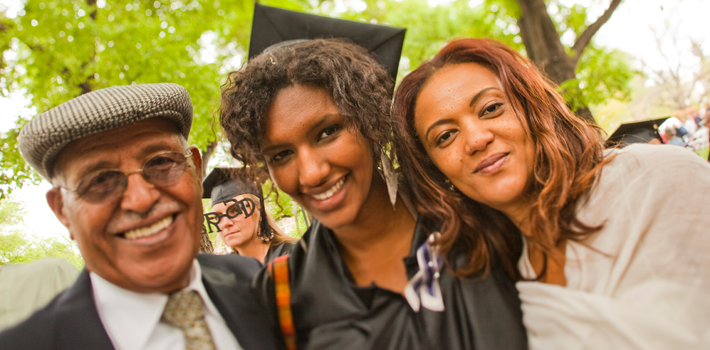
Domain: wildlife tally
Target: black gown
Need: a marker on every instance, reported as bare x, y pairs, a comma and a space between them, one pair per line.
276, 251
331, 312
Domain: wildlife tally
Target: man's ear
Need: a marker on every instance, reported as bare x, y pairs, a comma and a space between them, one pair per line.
56, 203
197, 161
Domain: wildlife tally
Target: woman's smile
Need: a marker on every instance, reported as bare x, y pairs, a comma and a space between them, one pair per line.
331, 198
492, 164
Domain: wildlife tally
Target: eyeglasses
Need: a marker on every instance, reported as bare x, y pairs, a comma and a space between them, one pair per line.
245, 206
161, 170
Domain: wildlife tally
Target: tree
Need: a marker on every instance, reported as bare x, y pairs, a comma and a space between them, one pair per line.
680, 79
535, 27
17, 246
58, 49
542, 38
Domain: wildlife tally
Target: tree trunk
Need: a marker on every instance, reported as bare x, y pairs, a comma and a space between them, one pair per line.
542, 42
206, 155
543, 46
205, 243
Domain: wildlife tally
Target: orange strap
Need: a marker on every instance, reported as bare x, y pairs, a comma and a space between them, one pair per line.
278, 270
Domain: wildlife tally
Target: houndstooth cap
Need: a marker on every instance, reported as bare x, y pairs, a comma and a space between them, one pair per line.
47, 134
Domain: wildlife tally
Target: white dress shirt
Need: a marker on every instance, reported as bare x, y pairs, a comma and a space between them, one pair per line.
132, 320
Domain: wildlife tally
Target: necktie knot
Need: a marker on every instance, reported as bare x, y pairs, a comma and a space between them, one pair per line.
185, 311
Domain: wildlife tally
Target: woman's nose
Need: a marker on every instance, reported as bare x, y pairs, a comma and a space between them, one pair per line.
224, 222
313, 169
476, 138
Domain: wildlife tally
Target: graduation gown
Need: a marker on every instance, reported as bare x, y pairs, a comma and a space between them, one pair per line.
276, 251
331, 312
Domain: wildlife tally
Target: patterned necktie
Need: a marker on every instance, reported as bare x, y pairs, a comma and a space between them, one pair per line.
185, 311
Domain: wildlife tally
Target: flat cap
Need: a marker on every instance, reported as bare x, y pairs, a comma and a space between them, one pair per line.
47, 134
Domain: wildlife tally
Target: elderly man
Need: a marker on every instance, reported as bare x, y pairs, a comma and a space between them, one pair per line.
127, 188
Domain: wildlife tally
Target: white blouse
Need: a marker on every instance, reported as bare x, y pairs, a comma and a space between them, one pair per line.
643, 281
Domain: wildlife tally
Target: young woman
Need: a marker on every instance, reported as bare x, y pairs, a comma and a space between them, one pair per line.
314, 115
240, 218
613, 258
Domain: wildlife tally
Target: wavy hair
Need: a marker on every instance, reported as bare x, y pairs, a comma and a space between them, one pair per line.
568, 155
359, 85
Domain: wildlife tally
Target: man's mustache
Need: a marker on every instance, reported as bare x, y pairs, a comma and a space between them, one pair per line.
126, 220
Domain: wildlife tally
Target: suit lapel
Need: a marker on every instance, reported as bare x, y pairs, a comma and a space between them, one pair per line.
78, 325
239, 307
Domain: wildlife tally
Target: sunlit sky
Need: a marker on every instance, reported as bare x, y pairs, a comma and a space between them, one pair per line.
631, 29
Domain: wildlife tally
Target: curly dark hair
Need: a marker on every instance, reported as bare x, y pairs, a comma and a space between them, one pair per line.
360, 87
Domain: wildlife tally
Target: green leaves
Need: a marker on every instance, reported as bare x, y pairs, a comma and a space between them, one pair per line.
14, 172
602, 74
17, 246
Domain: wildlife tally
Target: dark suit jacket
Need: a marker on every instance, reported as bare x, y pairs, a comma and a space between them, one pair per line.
71, 321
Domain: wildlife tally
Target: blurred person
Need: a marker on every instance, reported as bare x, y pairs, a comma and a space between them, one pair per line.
240, 217
313, 114
26, 287
128, 188
672, 138
612, 258
674, 123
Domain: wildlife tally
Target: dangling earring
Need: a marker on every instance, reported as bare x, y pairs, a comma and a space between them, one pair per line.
390, 177
451, 186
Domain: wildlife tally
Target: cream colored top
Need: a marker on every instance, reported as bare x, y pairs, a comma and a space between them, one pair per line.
643, 281
27, 287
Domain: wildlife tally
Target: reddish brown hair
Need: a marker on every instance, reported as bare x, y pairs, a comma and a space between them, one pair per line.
568, 154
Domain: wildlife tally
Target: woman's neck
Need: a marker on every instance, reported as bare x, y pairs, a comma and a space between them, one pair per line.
255, 248
552, 263
374, 246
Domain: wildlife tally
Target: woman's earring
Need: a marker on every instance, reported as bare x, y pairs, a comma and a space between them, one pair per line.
390, 177
450, 185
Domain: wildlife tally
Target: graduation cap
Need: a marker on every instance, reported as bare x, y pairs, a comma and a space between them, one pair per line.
274, 25
636, 132
222, 185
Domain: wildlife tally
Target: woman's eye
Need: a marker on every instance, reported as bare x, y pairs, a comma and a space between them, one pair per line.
280, 156
492, 108
444, 138
329, 131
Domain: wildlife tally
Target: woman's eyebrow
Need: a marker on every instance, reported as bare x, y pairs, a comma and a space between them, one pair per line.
437, 123
479, 94
322, 121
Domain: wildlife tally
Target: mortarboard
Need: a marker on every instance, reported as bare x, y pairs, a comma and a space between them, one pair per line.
274, 25
223, 184
636, 132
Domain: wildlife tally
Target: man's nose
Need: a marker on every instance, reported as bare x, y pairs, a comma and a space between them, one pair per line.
313, 169
140, 195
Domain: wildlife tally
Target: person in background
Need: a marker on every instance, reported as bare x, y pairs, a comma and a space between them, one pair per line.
670, 134
128, 188
613, 258
26, 287
240, 217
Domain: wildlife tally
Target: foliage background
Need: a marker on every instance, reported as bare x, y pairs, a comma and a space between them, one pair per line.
56, 49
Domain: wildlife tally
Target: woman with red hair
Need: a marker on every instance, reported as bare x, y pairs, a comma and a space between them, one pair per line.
612, 256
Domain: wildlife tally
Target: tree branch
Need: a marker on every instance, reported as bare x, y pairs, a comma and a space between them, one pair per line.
584, 39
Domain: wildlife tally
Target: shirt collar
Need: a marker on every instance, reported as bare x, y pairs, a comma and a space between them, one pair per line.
129, 317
